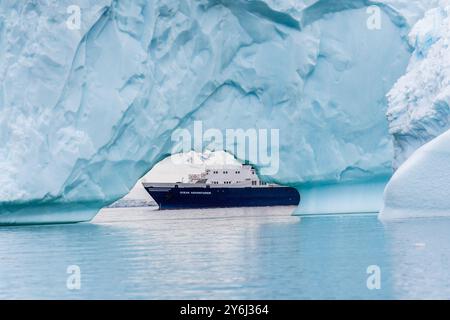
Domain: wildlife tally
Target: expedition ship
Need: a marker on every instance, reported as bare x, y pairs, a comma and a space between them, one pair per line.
222, 187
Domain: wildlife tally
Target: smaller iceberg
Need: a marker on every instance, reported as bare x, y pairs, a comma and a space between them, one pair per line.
420, 187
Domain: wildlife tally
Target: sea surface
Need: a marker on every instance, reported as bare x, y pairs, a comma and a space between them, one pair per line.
252, 253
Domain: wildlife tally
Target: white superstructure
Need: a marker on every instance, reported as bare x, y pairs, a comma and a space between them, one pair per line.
243, 175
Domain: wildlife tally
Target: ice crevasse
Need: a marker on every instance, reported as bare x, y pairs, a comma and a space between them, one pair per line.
419, 114
85, 112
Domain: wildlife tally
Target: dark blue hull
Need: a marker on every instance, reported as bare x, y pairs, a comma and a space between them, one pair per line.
205, 197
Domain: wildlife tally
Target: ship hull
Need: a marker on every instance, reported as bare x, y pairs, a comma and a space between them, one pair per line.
217, 197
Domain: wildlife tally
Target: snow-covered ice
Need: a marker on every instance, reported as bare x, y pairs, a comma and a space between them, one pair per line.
419, 111
420, 187
419, 103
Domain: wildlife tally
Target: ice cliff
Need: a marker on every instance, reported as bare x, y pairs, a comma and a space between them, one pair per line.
85, 112
419, 114
419, 103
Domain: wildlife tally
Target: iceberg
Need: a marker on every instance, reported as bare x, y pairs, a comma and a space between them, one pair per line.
419, 114
87, 110
419, 103
419, 188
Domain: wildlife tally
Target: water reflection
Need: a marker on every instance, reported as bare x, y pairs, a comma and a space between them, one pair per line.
420, 254
324, 258
254, 253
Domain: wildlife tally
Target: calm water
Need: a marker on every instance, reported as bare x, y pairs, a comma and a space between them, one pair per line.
227, 254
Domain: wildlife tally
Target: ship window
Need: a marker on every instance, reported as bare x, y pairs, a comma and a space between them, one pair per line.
237, 172
253, 183
253, 171
225, 172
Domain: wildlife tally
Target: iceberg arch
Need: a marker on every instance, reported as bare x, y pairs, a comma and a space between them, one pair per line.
85, 113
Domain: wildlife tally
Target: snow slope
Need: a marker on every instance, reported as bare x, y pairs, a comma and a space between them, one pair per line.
420, 187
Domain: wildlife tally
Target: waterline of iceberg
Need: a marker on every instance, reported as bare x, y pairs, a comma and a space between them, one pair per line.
39, 212
342, 198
